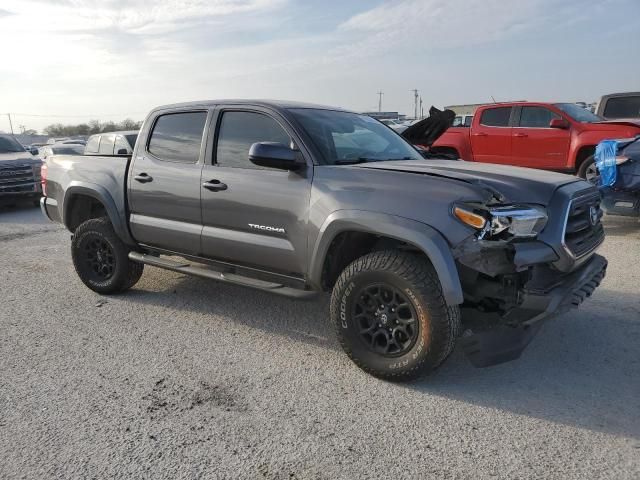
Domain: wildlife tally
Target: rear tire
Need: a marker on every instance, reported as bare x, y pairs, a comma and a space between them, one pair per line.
390, 315
101, 259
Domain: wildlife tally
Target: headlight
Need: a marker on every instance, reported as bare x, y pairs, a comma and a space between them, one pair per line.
519, 221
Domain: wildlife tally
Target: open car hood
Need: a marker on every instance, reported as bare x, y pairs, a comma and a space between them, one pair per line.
513, 184
427, 131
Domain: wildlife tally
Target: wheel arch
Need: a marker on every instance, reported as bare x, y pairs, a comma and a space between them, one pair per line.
582, 154
83, 201
414, 234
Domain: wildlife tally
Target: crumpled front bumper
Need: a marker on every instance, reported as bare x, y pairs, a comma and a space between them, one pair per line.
540, 300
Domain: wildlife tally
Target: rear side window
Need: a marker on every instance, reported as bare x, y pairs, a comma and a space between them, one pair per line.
121, 146
106, 145
240, 130
92, 144
622, 107
536, 117
496, 117
176, 137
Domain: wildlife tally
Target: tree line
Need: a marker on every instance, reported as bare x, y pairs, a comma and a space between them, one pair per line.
91, 127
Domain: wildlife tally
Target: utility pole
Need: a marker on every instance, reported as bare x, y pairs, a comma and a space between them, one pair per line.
22, 128
380, 94
421, 109
10, 124
415, 103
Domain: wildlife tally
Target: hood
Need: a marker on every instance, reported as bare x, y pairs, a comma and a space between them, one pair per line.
513, 184
614, 125
18, 157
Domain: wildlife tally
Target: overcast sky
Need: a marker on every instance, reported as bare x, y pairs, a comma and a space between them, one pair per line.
111, 59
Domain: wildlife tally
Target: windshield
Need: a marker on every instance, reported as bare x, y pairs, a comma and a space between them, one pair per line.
578, 113
343, 137
10, 145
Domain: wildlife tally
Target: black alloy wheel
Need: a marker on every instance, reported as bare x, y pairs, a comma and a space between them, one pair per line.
386, 319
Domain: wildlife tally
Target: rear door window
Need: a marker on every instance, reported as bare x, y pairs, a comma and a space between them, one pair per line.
92, 144
622, 107
496, 117
106, 145
176, 137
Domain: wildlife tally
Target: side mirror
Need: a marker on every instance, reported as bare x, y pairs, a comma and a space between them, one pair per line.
273, 155
34, 151
559, 123
123, 151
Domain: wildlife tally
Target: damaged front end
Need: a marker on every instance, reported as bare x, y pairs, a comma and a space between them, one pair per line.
513, 277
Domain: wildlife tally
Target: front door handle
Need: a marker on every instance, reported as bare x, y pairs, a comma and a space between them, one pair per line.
143, 178
480, 134
520, 135
215, 185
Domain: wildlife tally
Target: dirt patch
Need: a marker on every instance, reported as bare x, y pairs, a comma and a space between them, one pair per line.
168, 397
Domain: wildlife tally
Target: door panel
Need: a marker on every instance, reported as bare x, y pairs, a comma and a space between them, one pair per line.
535, 144
165, 212
260, 219
491, 137
164, 184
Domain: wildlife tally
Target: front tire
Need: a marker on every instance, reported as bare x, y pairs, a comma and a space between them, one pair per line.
588, 170
390, 315
101, 259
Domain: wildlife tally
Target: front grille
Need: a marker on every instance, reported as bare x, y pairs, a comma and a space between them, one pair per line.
583, 230
18, 178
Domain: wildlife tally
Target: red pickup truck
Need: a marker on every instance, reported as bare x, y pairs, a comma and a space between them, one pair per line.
551, 136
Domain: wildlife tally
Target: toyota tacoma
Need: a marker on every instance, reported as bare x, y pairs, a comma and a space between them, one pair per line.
297, 199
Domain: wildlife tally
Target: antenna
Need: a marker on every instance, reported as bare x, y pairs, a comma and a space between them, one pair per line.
380, 94
415, 102
494, 100
10, 123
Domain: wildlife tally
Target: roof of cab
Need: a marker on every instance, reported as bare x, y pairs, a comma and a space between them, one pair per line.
274, 104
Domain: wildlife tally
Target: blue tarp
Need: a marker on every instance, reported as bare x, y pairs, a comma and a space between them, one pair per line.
605, 156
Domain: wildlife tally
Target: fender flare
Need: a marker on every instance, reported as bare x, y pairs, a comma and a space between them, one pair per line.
116, 216
425, 238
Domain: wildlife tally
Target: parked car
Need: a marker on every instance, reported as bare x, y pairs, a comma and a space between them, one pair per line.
617, 106
54, 140
550, 136
19, 172
61, 149
623, 197
397, 126
288, 198
112, 143
462, 121
74, 141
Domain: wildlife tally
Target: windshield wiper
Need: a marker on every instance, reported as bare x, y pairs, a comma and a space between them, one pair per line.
353, 161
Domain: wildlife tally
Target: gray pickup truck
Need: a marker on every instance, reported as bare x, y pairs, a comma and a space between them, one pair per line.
19, 172
297, 199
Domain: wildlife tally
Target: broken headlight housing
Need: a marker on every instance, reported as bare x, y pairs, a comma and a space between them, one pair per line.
509, 221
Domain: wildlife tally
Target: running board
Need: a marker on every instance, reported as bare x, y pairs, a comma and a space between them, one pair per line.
205, 272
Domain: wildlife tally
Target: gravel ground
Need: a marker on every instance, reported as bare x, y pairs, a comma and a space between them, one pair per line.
187, 378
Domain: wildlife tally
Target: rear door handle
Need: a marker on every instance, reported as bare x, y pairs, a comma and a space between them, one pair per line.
215, 185
480, 134
143, 178
520, 135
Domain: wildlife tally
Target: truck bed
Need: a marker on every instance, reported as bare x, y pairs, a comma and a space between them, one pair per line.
69, 175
